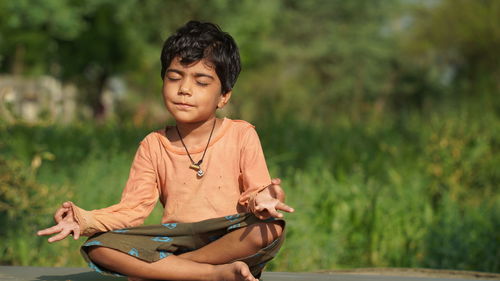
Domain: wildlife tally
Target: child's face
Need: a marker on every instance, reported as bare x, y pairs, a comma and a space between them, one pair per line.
192, 93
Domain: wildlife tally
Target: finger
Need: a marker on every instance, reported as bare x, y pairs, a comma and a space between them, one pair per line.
50, 230
59, 236
63, 211
67, 204
59, 215
70, 213
263, 215
284, 207
276, 181
76, 233
273, 213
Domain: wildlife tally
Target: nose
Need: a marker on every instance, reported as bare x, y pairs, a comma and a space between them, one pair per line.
184, 88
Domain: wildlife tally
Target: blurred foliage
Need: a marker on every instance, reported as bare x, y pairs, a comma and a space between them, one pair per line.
382, 117
359, 57
25, 204
460, 38
420, 191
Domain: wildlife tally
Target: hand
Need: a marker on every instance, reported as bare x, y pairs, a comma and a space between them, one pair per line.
267, 202
65, 226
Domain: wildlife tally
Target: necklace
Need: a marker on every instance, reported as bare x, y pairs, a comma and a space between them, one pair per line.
196, 166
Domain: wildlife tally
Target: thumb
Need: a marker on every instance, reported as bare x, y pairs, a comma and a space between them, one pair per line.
67, 204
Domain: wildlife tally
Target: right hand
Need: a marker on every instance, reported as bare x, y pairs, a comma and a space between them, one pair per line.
65, 226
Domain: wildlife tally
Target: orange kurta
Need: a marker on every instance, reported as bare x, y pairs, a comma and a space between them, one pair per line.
234, 167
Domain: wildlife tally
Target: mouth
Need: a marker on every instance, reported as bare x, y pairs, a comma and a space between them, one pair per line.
182, 105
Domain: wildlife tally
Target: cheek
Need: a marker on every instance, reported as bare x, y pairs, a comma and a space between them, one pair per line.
211, 99
164, 88
164, 96
167, 97
167, 91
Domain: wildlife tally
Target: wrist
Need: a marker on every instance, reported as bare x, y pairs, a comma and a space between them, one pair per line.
251, 203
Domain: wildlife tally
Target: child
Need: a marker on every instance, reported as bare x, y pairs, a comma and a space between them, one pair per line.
220, 219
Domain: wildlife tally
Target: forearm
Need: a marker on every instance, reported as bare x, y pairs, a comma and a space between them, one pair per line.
114, 217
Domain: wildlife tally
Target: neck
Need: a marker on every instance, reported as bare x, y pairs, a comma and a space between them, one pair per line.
196, 132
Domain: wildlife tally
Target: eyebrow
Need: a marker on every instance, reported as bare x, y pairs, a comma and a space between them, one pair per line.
197, 74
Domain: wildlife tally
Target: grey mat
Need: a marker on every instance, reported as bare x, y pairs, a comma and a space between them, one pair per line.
25, 273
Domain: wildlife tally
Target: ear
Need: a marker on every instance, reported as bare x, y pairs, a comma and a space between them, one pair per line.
224, 99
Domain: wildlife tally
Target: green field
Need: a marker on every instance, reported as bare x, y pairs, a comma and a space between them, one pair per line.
382, 118
419, 190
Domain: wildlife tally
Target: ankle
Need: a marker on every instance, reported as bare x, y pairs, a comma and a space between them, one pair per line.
216, 272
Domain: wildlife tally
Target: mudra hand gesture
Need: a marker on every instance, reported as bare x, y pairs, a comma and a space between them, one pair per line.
65, 224
267, 202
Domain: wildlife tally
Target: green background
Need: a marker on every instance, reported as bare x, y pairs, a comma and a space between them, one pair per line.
381, 118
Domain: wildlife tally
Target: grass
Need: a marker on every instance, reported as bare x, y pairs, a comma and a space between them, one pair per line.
413, 191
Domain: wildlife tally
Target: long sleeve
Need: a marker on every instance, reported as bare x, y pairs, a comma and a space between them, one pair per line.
254, 173
138, 199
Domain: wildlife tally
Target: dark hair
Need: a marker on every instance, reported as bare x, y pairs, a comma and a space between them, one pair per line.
203, 40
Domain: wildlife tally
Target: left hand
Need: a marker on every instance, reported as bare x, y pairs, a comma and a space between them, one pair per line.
267, 202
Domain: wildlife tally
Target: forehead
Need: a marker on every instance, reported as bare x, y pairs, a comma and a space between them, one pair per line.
200, 66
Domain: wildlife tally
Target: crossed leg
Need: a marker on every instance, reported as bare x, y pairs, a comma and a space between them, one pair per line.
211, 262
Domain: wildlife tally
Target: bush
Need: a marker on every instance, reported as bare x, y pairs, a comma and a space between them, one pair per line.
25, 205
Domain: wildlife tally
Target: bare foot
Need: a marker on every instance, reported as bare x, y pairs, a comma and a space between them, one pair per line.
236, 271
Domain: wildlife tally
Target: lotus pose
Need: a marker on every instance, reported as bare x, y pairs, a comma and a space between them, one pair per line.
221, 218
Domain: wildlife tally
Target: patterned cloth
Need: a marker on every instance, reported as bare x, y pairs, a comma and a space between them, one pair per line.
154, 242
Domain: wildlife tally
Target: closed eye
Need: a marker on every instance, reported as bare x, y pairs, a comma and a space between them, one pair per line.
173, 79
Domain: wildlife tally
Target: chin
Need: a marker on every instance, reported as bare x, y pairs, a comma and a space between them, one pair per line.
186, 119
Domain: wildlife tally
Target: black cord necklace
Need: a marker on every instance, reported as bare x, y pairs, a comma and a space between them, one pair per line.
197, 166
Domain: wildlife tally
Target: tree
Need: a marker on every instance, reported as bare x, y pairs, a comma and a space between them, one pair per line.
85, 42
29, 32
461, 38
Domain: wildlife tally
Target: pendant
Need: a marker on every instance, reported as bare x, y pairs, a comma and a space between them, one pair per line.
197, 167
200, 173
